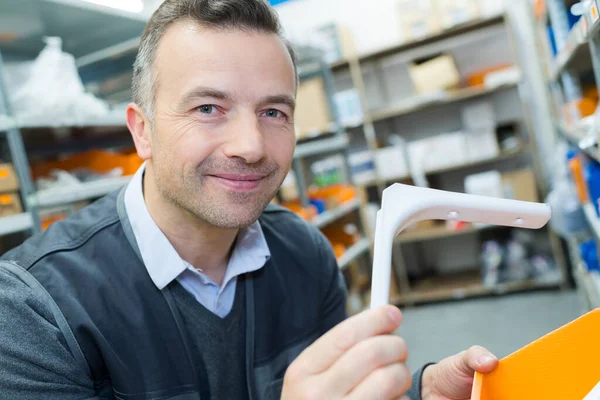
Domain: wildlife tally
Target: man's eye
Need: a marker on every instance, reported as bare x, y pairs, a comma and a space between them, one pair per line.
206, 108
273, 113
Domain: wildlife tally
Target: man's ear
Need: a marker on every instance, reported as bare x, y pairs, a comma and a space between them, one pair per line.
139, 126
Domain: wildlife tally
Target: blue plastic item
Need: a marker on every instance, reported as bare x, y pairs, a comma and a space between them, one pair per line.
592, 179
589, 254
319, 205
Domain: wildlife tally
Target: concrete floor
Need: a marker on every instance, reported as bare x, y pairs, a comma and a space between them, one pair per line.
501, 324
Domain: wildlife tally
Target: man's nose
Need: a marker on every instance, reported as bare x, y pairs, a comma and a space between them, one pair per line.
246, 140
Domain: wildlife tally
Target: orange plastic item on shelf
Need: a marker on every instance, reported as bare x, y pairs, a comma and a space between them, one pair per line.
339, 249
98, 161
559, 366
576, 167
584, 107
335, 233
478, 78
307, 213
333, 194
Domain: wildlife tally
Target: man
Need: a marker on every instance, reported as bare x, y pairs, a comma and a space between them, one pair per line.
182, 286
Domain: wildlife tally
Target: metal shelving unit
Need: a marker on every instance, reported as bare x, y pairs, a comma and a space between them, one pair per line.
433, 44
29, 221
330, 216
358, 249
70, 194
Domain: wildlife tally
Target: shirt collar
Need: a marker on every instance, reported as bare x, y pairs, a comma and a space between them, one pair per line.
160, 257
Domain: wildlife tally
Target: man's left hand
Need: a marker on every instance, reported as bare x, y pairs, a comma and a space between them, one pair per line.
452, 378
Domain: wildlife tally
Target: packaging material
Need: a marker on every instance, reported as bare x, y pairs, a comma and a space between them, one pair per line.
418, 19
438, 152
53, 93
479, 122
520, 185
478, 115
335, 40
456, 12
328, 171
332, 195
507, 76
9, 182
312, 114
477, 78
576, 167
487, 183
10, 204
362, 167
349, 107
482, 145
434, 74
390, 163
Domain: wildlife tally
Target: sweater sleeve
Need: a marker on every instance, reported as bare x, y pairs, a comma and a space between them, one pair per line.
36, 361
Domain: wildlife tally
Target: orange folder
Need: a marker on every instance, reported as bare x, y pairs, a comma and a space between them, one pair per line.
563, 365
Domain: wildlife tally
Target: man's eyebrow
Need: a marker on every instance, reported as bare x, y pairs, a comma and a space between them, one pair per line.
203, 92
280, 99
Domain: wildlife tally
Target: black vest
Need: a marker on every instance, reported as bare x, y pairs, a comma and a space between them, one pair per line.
128, 335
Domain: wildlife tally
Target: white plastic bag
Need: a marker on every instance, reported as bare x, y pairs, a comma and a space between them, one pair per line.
53, 94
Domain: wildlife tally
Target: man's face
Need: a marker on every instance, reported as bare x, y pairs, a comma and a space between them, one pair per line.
223, 136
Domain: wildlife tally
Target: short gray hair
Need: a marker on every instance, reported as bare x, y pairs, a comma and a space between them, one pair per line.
249, 15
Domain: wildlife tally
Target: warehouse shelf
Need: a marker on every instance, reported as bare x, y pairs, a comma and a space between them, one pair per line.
321, 146
79, 192
330, 216
463, 286
505, 155
575, 54
578, 135
6, 123
352, 253
438, 232
112, 119
15, 223
456, 30
64, 18
447, 97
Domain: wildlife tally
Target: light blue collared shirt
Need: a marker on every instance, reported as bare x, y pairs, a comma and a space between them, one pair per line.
164, 264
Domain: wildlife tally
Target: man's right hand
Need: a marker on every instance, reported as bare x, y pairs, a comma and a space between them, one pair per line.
358, 359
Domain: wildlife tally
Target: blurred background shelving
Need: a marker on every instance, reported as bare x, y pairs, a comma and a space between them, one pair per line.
471, 96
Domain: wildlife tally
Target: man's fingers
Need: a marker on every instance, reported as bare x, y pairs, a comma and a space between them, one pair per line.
385, 383
480, 359
362, 359
330, 347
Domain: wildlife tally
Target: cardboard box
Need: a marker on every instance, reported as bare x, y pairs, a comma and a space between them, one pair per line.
390, 163
10, 204
520, 185
482, 145
312, 116
434, 75
418, 19
456, 12
8, 178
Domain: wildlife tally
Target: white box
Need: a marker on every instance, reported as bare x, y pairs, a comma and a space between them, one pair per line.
478, 115
438, 152
349, 107
390, 163
362, 167
485, 184
482, 145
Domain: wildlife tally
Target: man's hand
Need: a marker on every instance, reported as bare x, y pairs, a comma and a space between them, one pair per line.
357, 359
452, 378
